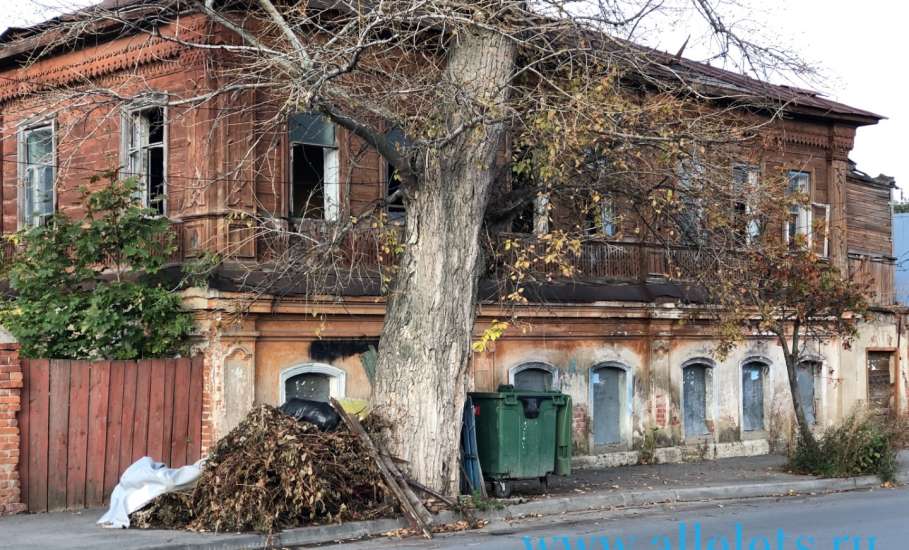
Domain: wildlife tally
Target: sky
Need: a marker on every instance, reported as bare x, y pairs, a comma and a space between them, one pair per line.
860, 49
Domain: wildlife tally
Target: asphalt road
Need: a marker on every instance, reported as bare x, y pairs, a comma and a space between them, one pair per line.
861, 520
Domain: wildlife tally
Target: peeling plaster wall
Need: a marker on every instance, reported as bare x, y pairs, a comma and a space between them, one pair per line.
652, 344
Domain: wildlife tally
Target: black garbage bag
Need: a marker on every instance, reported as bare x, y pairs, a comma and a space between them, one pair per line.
319, 413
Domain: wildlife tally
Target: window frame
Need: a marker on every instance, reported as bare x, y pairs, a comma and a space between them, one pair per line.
23, 131
537, 365
331, 167
337, 383
804, 219
127, 150
752, 229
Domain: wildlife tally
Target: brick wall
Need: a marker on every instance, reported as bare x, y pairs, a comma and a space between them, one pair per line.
10, 402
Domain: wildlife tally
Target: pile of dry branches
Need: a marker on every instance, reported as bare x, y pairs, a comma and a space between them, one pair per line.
271, 473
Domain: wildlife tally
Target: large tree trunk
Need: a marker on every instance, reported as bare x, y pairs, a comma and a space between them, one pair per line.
807, 436
421, 372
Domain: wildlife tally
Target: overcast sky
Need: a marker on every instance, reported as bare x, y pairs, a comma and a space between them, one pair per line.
860, 47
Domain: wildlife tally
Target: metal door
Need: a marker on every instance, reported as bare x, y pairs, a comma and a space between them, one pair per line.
805, 377
608, 392
694, 398
753, 397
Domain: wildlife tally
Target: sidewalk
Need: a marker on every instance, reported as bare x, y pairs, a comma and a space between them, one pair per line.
732, 478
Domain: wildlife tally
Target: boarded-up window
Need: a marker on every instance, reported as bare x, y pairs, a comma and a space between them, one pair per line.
534, 377
753, 397
694, 398
805, 376
820, 223
308, 385
608, 404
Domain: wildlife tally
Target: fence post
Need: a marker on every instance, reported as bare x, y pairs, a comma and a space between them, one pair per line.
10, 403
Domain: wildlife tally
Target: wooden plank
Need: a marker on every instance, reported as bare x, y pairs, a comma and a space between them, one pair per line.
114, 426
170, 370
181, 413
194, 448
140, 419
128, 416
98, 406
156, 411
58, 434
413, 508
38, 407
23, 422
77, 438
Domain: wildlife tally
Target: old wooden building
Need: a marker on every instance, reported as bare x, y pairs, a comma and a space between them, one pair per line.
614, 342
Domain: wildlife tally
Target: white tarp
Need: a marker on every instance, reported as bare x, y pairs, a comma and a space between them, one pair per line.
144, 480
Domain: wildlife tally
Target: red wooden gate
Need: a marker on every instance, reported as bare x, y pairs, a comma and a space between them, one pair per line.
83, 422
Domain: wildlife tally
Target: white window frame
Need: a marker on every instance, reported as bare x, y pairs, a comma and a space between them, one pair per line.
133, 159
331, 185
25, 210
337, 378
804, 220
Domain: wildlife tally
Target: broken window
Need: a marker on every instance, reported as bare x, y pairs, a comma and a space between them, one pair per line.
798, 220
745, 182
313, 381
314, 188
753, 397
609, 409
308, 385
689, 214
534, 377
394, 193
694, 399
805, 374
145, 139
601, 218
36, 175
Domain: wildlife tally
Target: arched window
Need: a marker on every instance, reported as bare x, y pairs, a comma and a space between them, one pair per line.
697, 396
534, 376
313, 381
753, 378
610, 392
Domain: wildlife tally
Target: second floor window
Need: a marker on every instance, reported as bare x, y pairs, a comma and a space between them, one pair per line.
798, 219
745, 182
601, 219
146, 149
314, 188
36, 175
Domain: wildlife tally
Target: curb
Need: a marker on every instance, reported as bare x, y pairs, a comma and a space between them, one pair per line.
324, 534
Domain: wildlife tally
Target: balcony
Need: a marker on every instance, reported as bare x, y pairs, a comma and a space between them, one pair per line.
614, 261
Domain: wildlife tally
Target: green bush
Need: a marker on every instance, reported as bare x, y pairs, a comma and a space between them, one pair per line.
862, 445
88, 289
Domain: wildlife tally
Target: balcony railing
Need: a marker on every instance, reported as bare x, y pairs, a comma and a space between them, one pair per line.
605, 260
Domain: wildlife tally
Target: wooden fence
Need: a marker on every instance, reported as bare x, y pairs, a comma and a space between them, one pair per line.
82, 423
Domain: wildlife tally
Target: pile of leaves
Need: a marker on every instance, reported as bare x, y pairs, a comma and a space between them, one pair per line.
272, 472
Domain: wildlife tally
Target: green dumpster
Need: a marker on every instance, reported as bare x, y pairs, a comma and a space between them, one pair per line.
522, 435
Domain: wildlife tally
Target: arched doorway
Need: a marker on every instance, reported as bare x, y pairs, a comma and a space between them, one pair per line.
609, 398
695, 378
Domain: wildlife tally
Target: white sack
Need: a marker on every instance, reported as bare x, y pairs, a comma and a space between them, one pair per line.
144, 480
